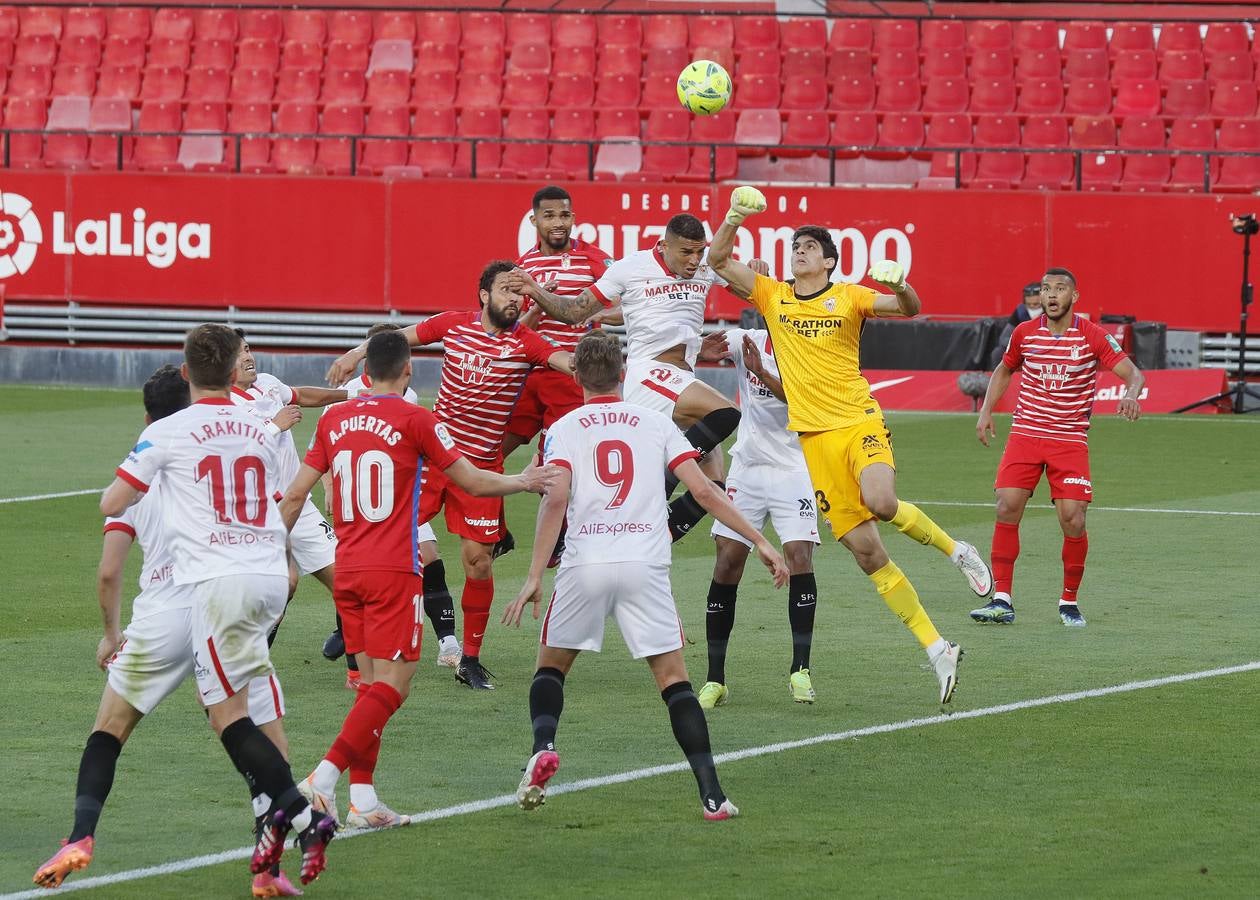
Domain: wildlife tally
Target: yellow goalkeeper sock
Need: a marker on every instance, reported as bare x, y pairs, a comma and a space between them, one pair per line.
902, 599
916, 525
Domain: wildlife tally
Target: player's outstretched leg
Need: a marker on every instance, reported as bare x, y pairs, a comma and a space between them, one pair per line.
692, 733
719, 621
546, 702
917, 525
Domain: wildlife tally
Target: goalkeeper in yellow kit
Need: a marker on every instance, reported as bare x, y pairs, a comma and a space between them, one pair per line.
815, 327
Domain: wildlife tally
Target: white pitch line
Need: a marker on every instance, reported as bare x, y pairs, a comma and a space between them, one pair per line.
463, 809
1092, 508
34, 497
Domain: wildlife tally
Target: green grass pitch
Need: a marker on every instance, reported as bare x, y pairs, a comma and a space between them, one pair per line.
1143, 793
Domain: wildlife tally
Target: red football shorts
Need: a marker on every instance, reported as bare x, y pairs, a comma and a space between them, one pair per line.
1065, 463
380, 612
547, 396
475, 518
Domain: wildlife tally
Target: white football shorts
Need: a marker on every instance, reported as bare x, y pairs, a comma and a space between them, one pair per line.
655, 384
231, 617
636, 595
312, 540
785, 496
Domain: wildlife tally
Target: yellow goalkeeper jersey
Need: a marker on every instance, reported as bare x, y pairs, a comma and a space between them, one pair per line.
816, 346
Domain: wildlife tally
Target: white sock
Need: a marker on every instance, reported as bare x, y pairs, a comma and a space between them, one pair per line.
936, 648
302, 820
1063, 602
261, 803
325, 776
959, 548
363, 797
1004, 597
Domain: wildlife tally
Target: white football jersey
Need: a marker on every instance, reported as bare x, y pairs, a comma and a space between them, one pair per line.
158, 590
763, 436
220, 482
267, 396
661, 309
617, 453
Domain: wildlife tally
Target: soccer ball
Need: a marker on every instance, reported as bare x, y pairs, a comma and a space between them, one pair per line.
704, 87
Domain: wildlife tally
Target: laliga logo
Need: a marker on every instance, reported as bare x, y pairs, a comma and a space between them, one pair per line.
158, 243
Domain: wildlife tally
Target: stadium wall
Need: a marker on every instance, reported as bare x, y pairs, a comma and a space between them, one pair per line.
374, 245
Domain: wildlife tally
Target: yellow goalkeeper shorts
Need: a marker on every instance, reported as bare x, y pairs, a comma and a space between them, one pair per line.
836, 459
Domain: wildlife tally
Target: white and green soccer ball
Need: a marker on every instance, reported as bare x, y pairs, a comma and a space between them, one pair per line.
704, 87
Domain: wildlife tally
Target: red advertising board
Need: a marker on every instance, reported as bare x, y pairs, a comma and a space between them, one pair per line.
418, 245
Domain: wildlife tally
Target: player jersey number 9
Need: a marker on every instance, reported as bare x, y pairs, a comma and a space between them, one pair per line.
248, 485
614, 467
367, 484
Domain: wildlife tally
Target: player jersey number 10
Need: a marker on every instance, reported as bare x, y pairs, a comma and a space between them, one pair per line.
247, 488
366, 483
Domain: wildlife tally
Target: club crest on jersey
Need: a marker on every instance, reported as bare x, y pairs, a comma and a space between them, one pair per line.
830, 304
1076, 352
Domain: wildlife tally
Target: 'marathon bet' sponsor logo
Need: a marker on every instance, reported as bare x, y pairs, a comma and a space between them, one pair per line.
157, 242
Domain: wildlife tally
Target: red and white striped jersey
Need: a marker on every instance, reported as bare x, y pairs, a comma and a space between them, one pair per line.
573, 271
1056, 392
482, 375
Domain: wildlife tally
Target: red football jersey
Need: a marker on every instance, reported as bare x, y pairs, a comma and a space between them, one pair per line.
376, 447
482, 375
1056, 392
573, 271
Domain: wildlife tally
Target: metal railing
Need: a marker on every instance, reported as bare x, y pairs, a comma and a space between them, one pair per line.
233, 159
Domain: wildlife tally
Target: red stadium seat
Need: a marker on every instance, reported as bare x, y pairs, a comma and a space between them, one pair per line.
574, 30
1087, 97
302, 55
804, 94
295, 153
576, 124
757, 130
530, 58
306, 25
159, 150
1137, 64
481, 58
525, 160
80, 50
25, 114
668, 61
433, 157
252, 118
1175, 36
1239, 173
993, 132
439, 27
205, 116
993, 96
389, 89
751, 62
431, 57
1137, 97
1099, 171
1040, 97
620, 60
6, 52
573, 61
123, 51
897, 64
343, 86
1225, 38
40, 20
393, 25
855, 94
1234, 99
1144, 171
1046, 64
664, 32
660, 91
666, 162
851, 34
849, 63
946, 95
297, 85
721, 162
385, 121
479, 90
802, 34
900, 130
1188, 169
163, 84
576, 90
171, 52
1132, 37
620, 31
615, 91
434, 88
73, 81
35, 50
216, 24
334, 154
943, 34
215, 54
898, 95
806, 129
617, 123
528, 29
756, 92
62, 150
950, 130
896, 34
480, 29
1181, 65
1080, 35
391, 55
127, 22
30, 81
944, 64
1032, 34
1186, 98
760, 33
711, 31
177, 24
525, 89
479, 123
119, 82
993, 63
208, 84
1230, 67
856, 131
346, 55
1047, 171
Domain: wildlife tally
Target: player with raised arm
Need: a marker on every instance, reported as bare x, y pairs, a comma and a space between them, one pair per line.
438, 605
218, 466
613, 455
816, 327
486, 357
1059, 354
148, 661
376, 447
768, 480
662, 295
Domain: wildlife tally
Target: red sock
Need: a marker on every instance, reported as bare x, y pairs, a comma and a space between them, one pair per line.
475, 603
1003, 555
1075, 549
363, 725
364, 767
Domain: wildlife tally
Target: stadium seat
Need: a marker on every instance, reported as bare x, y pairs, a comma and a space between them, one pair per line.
255, 152
216, 24
479, 123
757, 130
1087, 97
351, 26
572, 30
522, 88
851, 34
1080, 35
1134, 64
1040, 97
28, 114
662, 91
128, 22
713, 31
761, 33
623, 123
479, 90
346, 55
525, 160
1239, 174
1033, 34
666, 162
993, 63
297, 85
805, 129
394, 25
950, 130
530, 58
946, 95
943, 34
575, 124
35, 50
1047, 171
334, 154
994, 132
664, 32
1143, 171
856, 94
174, 23
1137, 97
668, 62
620, 31
389, 89
157, 151
295, 153
855, 131
990, 96
123, 51
391, 55
849, 63
1174, 36
74, 81
944, 64
481, 58
163, 84
438, 27
1132, 37
527, 29
1181, 65
1186, 98
751, 62
802, 34
67, 114
1100, 170
900, 130
804, 94
118, 82
721, 162
84, 22
895, 34
208, 84
1045, 64
216, 54
1230, 67
1234, 99
577, 90
6, 52
40, 20
385, 121
614, 91
205, 116
433, 157
897, 64
1188, 169
169, 52
342, 86
989, 34
80, 50
1225, 38
573, 61
431, 57
30, 81
434, 88
302, 55
620, 60
480, 29
898, 95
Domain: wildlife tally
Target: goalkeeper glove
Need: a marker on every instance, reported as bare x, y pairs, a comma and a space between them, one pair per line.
744, 202
889, 273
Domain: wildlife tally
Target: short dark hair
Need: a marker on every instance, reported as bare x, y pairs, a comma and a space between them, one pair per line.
823, 236
240, 333
597, 360
1057, 270
490, 272
1033, 287
387, 355
381, 328
550, 192
211, 352
165, 392
686, 226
